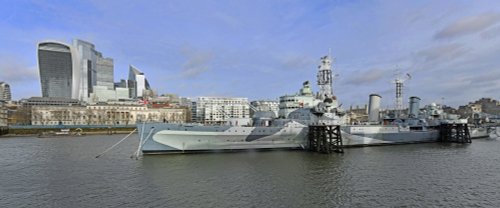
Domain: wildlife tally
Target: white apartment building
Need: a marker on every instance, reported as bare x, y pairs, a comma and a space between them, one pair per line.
218, 110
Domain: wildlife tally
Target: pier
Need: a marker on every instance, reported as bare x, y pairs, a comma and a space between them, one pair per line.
454, 133
325, 139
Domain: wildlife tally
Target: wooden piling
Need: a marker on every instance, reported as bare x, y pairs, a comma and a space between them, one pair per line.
325, 139
455, 133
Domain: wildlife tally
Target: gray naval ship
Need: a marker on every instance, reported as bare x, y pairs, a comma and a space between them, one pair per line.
289, 129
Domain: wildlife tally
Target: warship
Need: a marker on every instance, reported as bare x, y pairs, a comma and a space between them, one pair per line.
289, 129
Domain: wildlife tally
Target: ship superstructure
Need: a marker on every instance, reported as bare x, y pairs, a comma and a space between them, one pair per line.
303, 99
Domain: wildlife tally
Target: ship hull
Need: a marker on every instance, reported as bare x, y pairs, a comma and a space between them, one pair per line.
365, 135
182, 138
352, 140
179, 142
175, 138
478, 132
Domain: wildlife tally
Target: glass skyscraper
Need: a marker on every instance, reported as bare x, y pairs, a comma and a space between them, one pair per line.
137, 83
87, 56
57, 71
72, 71
104, 68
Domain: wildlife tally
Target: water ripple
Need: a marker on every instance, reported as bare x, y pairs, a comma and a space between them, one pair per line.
63, 172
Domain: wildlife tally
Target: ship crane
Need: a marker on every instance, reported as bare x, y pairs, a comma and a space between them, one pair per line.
252, 107
228, 116
221, 111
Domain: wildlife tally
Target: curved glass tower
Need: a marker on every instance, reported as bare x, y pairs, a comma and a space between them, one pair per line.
57, 75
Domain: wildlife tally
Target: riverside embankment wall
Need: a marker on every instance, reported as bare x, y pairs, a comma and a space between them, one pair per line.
84, 129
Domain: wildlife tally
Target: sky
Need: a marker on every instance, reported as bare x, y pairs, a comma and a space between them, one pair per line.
264, 49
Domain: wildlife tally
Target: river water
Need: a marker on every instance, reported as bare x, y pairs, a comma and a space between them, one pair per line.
63, 172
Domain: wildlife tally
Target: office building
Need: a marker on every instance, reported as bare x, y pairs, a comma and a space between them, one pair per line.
96, 70
59, 74
104, 75
137, 83
72, 71
5, 92
86, 60
105, 114
103, 94
122, 83
3, 114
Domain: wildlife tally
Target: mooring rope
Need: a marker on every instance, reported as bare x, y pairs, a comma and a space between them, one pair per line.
116, 144
141, 143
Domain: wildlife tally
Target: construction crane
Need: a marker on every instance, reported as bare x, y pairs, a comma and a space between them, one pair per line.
399, 81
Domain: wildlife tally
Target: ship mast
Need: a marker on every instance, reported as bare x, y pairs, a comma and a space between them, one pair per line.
325, 79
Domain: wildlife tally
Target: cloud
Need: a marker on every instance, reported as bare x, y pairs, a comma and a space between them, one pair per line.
468, 25
366, 77
197, 62
297, 62
491, 33
487, 76
228, 20
13, 70
441, 53
23, 79
462, 81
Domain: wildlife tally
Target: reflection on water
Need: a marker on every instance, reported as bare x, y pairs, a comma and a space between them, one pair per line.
63, 172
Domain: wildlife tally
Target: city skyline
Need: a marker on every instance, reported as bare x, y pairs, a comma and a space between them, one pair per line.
263, 50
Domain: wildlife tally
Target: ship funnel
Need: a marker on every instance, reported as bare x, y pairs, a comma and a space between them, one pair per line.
414, 107
374, 108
